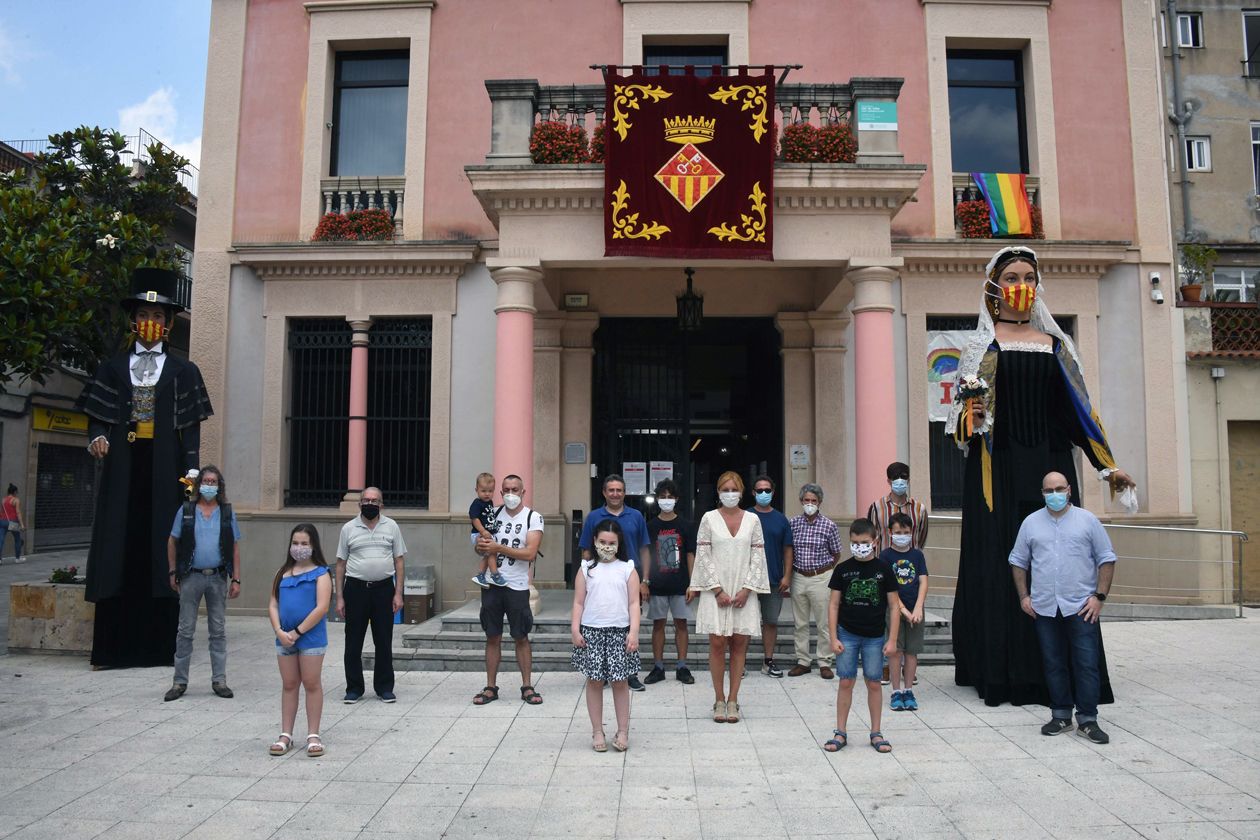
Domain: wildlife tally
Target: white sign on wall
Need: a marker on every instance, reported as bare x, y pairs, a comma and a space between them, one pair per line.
635, 474
658, 471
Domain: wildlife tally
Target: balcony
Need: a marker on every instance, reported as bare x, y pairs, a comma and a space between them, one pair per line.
345, 195
1222, 330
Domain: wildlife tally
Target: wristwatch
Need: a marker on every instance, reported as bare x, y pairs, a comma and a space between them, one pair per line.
237, 581
1101, 596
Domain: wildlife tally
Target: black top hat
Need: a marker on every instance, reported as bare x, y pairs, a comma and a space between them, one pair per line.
153, 285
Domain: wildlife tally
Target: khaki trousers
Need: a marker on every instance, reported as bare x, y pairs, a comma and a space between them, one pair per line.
810, 597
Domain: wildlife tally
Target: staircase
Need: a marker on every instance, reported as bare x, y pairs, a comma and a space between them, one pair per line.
454, 641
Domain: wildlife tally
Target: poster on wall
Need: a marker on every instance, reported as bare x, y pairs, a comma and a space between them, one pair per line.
635, 474
659, 471
944, 348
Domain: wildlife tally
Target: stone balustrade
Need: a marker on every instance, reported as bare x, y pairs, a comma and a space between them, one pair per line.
965, 189
346, 194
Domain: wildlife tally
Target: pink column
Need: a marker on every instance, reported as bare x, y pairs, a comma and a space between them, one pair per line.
514, 372
875, 432
356, 456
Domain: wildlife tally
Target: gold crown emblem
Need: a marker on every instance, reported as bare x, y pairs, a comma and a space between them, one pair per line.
689, 129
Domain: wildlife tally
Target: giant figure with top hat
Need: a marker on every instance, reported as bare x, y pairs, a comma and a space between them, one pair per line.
145, 408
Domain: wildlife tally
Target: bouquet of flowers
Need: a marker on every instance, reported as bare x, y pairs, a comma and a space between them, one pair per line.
970, 391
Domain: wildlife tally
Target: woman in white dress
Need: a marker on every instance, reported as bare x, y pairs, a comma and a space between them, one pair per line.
730, 568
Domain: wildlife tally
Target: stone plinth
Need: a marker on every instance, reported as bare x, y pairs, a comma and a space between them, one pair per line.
50, 618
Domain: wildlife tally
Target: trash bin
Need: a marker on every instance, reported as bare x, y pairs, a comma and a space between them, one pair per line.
420, 595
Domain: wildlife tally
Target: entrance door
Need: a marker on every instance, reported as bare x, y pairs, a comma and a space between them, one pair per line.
708, 401
64, 499
1244, 492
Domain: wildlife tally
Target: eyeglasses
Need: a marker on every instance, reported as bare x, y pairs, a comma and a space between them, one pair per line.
1060, 489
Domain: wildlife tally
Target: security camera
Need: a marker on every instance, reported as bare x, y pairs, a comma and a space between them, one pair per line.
1157, 296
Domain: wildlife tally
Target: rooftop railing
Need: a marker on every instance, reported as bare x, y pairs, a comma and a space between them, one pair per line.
137, 147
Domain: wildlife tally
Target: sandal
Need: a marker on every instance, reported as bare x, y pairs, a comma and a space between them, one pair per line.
880, 743
597, 741
841, 741
732, 712
487, 695
719, 711
621, 740
316, 749
281, 747
530, 696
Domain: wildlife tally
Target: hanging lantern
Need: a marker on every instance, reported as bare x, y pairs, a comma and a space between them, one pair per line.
690, 307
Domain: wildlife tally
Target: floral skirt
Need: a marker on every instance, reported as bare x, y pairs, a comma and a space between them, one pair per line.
605, 656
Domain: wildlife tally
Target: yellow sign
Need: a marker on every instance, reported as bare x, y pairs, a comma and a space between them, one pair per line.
58, 420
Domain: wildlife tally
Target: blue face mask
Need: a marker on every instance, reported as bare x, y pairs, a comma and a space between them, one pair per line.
900, 486
1056, 501
763, 498
209, 491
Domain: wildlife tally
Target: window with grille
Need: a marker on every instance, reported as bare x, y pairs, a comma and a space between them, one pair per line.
319, 402
1235, 284
400, 356
369, 131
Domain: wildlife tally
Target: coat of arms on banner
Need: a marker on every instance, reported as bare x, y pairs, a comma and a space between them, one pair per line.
689, 165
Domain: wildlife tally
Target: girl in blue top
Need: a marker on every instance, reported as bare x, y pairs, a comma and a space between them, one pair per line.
299, 606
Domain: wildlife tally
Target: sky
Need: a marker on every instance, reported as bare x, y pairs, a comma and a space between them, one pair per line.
124, 64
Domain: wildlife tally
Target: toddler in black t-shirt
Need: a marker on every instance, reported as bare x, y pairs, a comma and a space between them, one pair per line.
481, 514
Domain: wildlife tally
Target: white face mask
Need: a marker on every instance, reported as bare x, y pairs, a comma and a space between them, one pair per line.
861, 549
901, 540
811, 510
667, 505
729, 499
511, 501
606, 552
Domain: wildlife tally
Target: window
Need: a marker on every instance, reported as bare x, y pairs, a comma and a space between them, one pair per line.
370, 114
700, 56
1251, 45
1235, 284
319, 403
400, 354
986, 111
1198, 154
1255, 155
1190, 30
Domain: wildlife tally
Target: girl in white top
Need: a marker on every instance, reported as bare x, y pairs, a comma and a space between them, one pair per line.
605, 629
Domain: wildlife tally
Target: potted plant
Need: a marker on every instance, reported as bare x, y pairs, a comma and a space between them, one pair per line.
1196, 268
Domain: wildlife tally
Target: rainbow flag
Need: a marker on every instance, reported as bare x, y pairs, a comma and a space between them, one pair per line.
1009, 213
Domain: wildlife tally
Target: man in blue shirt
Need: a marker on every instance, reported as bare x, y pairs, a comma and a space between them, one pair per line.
777, 532
633, 527
1072, 565
205, 563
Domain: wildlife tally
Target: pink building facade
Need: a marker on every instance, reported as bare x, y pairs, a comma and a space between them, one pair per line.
492, 334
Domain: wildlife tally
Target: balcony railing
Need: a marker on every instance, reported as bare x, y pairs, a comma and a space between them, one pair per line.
965, 189
137, 147
183, 290
344, 195
1222, 329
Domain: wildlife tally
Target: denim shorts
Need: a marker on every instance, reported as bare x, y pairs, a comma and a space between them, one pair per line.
294, 651
871, 649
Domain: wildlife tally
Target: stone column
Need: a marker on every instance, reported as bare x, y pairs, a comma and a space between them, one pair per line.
356, 449
798, 405
576, 372
512, 106
876, 145
547, 446
514, 369
874, 379
830, 437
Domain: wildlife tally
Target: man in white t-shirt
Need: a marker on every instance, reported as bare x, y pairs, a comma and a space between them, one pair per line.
518, 533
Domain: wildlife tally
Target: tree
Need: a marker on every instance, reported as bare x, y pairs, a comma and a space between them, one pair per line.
71, 233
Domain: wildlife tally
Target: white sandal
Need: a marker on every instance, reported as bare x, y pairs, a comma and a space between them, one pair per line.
316, 749
282, 747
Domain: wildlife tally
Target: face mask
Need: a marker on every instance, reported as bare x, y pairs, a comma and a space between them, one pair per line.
301, 553
511, 501
370, 512
729, 499
900, 486
150, 331
1020, 296
861, 549
1056, 501
901, 540
811, 510
606, 552
209, 491
763, 497
667, 505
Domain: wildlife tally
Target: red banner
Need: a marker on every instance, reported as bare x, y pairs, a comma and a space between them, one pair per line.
689, 166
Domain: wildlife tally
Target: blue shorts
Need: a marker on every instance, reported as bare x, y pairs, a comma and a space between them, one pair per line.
294, 651
870, 648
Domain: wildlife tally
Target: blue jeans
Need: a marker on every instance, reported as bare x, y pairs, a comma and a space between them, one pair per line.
1070, 650
17, 539
871, 650
192, 589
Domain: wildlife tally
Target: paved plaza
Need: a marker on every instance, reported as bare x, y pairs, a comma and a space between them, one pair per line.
98, 754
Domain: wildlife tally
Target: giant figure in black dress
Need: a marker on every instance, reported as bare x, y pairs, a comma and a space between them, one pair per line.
145, 407
1024, 424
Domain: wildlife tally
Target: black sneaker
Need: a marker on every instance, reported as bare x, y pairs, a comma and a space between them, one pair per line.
352, 697
1057, 726
634, 683
684, 676
1092, 731
770, 669
655, 675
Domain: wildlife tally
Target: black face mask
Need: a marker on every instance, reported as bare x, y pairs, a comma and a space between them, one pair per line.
370, 511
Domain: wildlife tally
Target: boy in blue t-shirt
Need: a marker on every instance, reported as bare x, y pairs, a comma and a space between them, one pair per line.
910, 568
481, 515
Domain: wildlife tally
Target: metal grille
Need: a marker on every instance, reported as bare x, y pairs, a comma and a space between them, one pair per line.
319, 401
65, 480
1236, 328
399, 365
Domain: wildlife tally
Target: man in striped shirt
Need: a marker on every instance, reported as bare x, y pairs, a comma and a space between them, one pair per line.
898, 501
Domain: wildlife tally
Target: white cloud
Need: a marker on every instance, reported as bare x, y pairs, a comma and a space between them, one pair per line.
11, 54
159, 116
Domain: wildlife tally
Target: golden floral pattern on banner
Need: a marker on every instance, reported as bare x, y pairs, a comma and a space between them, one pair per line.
749, 229
624, 228
628, 96
753, 96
